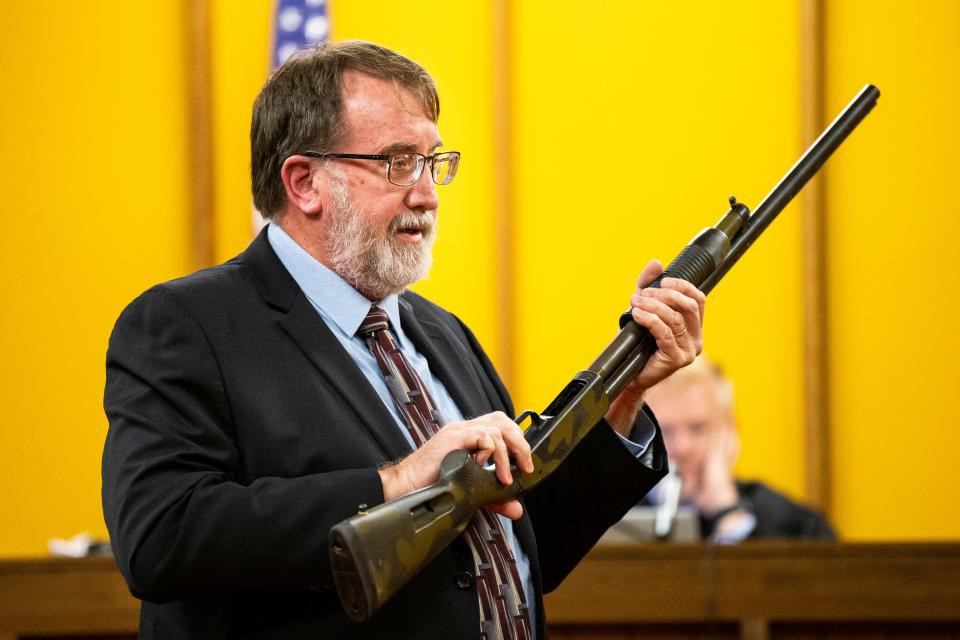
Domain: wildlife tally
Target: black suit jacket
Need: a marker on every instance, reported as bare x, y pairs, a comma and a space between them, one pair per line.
241, 431
777, 515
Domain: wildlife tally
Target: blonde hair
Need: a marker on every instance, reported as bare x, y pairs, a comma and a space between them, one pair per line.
702, 370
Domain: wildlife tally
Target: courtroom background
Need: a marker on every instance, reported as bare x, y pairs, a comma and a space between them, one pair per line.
594, 136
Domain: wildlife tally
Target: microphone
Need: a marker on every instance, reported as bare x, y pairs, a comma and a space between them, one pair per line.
668, 501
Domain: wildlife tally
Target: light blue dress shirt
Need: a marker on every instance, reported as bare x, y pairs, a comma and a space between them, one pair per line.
343, 309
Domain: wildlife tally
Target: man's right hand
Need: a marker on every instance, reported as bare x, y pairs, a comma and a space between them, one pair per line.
717, 489
492, 437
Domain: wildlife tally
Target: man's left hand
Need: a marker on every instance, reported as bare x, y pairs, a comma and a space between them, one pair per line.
673, 314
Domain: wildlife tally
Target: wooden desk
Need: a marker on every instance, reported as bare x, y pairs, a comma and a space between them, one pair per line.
754, 591
760, 590
65, 597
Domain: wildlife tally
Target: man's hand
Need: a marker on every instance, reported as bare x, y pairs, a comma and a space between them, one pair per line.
673, 314
715, 488
491, 437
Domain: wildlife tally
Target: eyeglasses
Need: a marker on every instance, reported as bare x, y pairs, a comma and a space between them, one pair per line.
404, 169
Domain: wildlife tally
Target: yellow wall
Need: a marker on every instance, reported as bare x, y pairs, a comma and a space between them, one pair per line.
635, 121
240, 42
92, 143
893, 264
632, 123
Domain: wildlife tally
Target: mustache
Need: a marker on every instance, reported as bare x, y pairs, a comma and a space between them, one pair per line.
424, 221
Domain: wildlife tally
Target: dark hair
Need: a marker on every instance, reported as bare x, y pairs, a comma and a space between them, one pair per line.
300, 108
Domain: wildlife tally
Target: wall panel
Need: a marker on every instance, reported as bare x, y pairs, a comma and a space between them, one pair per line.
92, 149
634, 121
631, 121
892, 263
240, 43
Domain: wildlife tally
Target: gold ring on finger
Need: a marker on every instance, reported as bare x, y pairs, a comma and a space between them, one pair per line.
677, 335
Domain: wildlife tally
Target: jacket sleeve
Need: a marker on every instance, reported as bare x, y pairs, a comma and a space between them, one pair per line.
596, 485
780, 517
181, 523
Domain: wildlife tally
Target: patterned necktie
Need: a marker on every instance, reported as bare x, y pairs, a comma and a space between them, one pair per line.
503, 608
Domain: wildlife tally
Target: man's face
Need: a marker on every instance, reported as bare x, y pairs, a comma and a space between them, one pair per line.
376, 235
690, 418
375, 262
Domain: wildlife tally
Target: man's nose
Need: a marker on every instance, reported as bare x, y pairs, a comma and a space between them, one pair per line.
422, 194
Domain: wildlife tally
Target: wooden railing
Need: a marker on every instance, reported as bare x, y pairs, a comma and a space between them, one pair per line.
760, 590
64, 597
753, 591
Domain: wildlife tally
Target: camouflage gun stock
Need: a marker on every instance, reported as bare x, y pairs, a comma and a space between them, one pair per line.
376, 552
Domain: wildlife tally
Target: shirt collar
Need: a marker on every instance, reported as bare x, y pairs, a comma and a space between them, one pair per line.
332, 295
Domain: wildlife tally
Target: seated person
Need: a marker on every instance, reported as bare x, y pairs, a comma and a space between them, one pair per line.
695, 410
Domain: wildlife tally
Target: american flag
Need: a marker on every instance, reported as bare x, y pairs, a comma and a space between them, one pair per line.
298, 24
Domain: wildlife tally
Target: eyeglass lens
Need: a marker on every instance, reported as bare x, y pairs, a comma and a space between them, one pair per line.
405, 168
445, 167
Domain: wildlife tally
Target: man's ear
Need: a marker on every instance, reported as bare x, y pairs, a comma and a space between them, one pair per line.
305, 183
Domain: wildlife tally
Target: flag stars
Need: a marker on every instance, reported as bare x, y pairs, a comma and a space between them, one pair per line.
316, 28
286, 50
299, 24
290, 19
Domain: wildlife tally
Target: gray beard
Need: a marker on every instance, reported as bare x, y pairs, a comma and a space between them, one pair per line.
374, 264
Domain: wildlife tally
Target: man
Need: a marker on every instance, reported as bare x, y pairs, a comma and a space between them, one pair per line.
695, 412
254, 405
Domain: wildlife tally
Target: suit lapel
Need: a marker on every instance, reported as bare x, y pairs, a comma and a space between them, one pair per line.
447, 362
312, 336
308, 330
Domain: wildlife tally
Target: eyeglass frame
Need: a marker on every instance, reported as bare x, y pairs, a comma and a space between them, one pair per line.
387, 157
